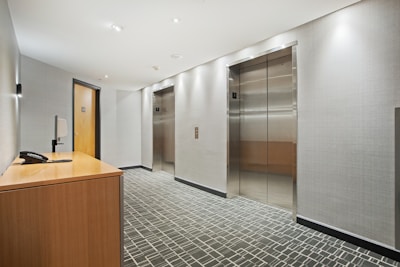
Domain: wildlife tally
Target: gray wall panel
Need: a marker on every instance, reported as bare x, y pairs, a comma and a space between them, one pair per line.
346, 135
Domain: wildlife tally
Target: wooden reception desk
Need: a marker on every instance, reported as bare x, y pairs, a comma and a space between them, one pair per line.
61, 214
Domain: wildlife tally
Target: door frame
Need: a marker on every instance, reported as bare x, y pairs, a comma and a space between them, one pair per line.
97, 115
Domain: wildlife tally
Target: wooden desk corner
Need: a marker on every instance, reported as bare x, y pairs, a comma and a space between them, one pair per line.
61, 214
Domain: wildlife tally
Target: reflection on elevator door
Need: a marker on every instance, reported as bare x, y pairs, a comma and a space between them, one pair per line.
164, 130
262, 125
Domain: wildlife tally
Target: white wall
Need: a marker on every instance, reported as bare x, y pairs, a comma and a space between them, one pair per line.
129, 128
47, 91
348, 86
147, 127
349, 76
199, 102
9, 77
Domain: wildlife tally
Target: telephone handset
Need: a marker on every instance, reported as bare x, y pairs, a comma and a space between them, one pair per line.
32, 158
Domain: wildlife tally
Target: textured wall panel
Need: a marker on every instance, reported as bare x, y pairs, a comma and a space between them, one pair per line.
348, 78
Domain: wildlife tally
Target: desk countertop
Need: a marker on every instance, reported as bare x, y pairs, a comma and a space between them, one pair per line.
82, 167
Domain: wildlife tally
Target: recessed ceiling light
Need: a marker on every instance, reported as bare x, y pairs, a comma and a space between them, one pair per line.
176, 56
106, 76
116, 28
176, 20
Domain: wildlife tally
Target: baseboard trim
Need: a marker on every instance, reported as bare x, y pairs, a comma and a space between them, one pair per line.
146, 168
135, 167
209, 190
384, 251
129, 168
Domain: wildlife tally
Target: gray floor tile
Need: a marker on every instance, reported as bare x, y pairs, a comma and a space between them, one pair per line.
168, 223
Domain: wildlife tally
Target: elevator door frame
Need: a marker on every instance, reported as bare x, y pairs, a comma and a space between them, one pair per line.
158, 129
234, 115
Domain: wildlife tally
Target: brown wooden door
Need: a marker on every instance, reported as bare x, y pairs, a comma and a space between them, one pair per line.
84, 119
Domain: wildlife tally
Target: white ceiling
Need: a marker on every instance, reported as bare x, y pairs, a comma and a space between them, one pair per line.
76, 35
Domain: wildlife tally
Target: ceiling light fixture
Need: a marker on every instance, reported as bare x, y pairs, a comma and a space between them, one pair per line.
155, 67
176, 56
176, 20
116, 28
106, 76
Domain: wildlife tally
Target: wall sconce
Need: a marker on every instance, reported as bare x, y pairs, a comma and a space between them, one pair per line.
19, 90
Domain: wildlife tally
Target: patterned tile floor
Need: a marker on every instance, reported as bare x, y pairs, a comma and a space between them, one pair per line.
168, 223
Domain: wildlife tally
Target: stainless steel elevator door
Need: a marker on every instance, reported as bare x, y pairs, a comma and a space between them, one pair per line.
281, 144
267, 150
164, 130
253, 131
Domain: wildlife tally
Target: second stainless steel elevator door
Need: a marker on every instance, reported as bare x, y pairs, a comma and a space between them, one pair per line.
267, 152
164, 130
282, 120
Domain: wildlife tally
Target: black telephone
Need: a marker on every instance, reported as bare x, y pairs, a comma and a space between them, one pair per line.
32, 158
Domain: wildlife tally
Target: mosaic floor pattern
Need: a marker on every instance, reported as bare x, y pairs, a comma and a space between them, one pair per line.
168, 223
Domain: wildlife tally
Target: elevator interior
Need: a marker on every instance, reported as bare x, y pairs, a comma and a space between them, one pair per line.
164, 130
263, 128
